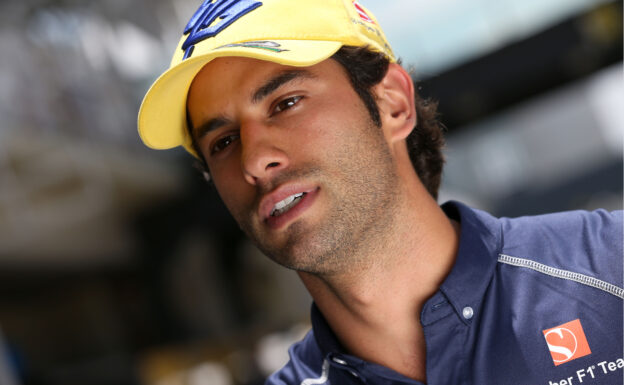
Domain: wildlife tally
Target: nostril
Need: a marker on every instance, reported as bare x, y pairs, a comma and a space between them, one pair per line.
273, 164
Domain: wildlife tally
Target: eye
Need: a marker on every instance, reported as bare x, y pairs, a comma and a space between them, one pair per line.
223, 142
286, 104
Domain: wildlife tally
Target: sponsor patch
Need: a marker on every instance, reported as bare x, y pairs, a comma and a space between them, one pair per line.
566, 342
266, 45
213, 17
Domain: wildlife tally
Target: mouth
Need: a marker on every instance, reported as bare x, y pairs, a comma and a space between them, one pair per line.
285, 205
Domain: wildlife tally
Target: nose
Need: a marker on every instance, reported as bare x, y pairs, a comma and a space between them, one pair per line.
262, 155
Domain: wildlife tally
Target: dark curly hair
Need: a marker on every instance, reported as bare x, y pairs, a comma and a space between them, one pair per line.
365, 69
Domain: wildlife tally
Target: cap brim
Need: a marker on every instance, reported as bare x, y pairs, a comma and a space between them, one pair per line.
162, 116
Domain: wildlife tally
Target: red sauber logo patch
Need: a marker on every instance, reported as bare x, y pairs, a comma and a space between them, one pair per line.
567, 342
363, 15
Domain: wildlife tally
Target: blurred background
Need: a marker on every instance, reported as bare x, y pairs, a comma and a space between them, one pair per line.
118, 264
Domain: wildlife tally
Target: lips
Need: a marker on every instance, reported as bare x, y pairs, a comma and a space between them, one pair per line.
286, 203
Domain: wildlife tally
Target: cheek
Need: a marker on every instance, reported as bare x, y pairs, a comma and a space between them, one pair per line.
336, 129
319, 130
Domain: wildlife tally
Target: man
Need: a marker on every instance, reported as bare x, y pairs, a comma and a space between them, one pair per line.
323, 153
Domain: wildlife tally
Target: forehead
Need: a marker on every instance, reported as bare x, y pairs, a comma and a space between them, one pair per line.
240, 76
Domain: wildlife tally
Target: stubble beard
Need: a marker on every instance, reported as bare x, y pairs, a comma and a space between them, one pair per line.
362, 191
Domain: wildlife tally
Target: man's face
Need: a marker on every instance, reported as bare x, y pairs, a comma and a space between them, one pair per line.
296, 159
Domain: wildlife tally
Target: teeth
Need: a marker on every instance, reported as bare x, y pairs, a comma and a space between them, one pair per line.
286, 204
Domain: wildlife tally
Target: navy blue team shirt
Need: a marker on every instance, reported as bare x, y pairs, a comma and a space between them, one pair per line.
531, 300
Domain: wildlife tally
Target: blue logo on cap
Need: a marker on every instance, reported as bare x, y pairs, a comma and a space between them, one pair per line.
202, 25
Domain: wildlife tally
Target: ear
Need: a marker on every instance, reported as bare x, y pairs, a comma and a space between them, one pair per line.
395, 98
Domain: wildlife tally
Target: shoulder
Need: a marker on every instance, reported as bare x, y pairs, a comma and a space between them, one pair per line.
588, 243
597, 228
596, 234
306, 363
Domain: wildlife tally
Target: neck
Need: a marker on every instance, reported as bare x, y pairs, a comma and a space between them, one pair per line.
381, 301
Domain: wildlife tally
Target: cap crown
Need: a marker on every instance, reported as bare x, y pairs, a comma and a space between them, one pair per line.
288, 32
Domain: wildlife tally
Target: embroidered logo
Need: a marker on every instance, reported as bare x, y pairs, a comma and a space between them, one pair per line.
266, 45
566, 342
212, 17
363, 15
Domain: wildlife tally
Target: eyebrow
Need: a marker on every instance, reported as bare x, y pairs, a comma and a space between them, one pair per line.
277, 81
208, 126
261, 92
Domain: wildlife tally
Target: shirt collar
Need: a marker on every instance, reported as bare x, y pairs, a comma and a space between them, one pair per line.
480, 243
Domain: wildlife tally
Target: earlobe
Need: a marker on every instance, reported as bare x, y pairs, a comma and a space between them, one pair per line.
395, 98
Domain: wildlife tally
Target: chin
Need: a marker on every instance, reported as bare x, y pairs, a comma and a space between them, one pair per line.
310, 256
301, 250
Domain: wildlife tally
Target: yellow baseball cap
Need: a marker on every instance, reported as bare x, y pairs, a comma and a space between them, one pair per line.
288, 32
